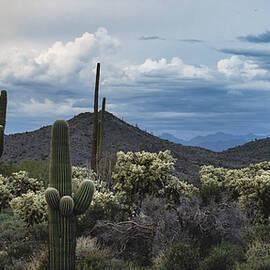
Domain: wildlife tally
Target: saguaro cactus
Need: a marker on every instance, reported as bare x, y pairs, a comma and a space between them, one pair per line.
3, 109
95, 124
101, 130
62, 207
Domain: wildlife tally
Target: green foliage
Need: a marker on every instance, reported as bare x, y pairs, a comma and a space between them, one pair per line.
257, 257
222, 257
142, 173
89, 256
17, 243
35, 169
181, 255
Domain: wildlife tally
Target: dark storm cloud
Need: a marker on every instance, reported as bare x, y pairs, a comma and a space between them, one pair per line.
261, 38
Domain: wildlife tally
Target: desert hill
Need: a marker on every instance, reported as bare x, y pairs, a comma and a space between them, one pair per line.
121, 136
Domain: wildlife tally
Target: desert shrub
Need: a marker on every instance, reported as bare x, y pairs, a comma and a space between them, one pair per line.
105, 206
11, 230
5, 195
149, 232
223, 257
164, 219
212, 182
7, 168
257, 257
257, 232
31, 207
128, 240
181, 255
16, 243
88, 256
40, 261
20, 183
212, 223
20, 250
4, 259
37, 169
142, 173
249, 186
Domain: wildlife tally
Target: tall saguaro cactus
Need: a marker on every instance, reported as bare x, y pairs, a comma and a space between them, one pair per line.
62, 208
95, 123
3, 110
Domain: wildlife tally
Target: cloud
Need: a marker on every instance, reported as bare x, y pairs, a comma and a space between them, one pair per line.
151, 38
61, 64
48, 108
234, 67
260, 38
190, 40
247, 52
158, 70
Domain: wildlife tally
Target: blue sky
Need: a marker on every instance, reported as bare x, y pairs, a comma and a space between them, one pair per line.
188, 67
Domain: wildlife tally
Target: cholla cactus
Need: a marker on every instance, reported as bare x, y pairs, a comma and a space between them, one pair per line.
62, 207
3, 109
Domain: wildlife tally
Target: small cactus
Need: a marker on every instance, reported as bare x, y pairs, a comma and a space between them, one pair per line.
62, 207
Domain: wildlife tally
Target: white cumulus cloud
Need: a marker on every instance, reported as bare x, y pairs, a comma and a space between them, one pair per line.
59, 64
173, 69
234, 67
49, 108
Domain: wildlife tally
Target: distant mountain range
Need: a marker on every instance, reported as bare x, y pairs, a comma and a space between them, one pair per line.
216, 142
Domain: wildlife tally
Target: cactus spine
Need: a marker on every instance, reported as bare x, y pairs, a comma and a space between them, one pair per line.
3, 110
95, 123
62, 208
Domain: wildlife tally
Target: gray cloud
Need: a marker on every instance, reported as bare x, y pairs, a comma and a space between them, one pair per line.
261, 38
246, 52
190, 40
151, 38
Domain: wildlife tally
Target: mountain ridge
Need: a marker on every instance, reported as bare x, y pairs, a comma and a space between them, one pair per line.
217, 142
121, 136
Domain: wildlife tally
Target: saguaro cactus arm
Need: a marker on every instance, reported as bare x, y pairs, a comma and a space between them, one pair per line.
83, 197
66, 206
52, 197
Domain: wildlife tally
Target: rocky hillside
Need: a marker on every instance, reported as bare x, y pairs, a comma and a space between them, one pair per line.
121, 136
